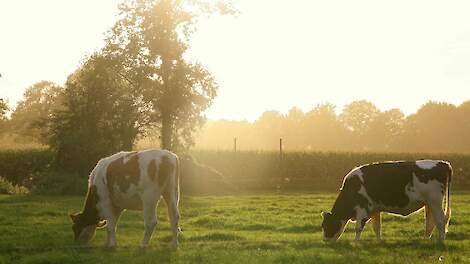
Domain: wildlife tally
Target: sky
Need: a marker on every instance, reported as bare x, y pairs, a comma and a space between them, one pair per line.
274, 55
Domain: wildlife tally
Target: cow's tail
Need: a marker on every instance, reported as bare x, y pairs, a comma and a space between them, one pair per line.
177, 181
447, 206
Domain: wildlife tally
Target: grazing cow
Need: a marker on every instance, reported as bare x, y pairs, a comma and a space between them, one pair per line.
134, 181
395, 187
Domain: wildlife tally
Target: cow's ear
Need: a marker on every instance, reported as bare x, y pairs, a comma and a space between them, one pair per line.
101, 224
324, 214
74, 217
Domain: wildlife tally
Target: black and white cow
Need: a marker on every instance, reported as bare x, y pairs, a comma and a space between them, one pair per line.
395, 187
134, 181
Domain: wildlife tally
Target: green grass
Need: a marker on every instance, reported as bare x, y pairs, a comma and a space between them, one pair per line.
262, 228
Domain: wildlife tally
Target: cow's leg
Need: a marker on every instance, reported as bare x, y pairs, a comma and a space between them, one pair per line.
361, 219
173, 212
438, 216
429, 221
377, 225
150, 221
112, 217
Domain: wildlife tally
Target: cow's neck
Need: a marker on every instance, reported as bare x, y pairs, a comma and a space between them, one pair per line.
343, 207
90, 212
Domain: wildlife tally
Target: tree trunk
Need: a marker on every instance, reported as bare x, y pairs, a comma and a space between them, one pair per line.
167, 122
166, 132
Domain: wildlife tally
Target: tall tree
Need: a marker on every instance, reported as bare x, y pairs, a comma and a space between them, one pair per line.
434, 126
269, 128
358, 117
325, 130
464, 128
3, 109
100, 116
384, 130
294, 128
39, 102
3, 115
151, 39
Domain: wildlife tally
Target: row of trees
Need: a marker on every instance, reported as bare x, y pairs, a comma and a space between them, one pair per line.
140, 81
361, 126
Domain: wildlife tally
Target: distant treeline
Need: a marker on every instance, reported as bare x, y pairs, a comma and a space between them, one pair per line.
361, 126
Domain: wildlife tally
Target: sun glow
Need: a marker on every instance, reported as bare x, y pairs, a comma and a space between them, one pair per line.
272, 56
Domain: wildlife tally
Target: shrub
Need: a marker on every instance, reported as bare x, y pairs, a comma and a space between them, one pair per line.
20, 165
59, 183
7, 187
311, 171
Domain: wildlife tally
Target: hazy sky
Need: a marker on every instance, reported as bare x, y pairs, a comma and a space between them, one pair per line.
274, 55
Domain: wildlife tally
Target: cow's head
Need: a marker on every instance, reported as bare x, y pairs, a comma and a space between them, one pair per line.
332, 227
83, 229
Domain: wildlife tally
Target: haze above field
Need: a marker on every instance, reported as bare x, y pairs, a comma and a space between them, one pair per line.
274, 55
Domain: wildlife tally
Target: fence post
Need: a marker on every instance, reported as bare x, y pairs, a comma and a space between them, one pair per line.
234, 144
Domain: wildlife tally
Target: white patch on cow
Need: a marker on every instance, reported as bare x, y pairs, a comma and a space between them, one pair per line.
427, 164
363, 192
361, 213
353, 173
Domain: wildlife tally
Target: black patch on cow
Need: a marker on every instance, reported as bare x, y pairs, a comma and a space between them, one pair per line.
123, 174
348, 198
386, 182
439, 172
165, 170
331, 224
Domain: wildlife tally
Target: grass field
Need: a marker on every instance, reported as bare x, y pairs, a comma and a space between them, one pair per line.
261, 228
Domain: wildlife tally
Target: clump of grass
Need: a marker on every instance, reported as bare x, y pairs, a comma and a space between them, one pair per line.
7, 187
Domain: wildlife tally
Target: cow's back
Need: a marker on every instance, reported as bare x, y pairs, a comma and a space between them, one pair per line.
123, 178
399, 186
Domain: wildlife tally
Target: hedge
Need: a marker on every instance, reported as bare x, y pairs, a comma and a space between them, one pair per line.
254, 170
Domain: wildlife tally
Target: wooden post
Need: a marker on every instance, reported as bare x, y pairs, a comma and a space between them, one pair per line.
235, 144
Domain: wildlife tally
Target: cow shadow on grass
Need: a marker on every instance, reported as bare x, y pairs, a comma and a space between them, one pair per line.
301, 229
296, 229
372, 245
215, 236
457, 236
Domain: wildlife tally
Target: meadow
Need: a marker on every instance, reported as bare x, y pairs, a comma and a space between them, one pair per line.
278, 227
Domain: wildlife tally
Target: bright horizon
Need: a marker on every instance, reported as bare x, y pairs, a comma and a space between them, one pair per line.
273, 56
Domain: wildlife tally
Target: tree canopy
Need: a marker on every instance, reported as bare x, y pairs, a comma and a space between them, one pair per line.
3, 114
150, 40
360, 126
100, 115
39, 102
